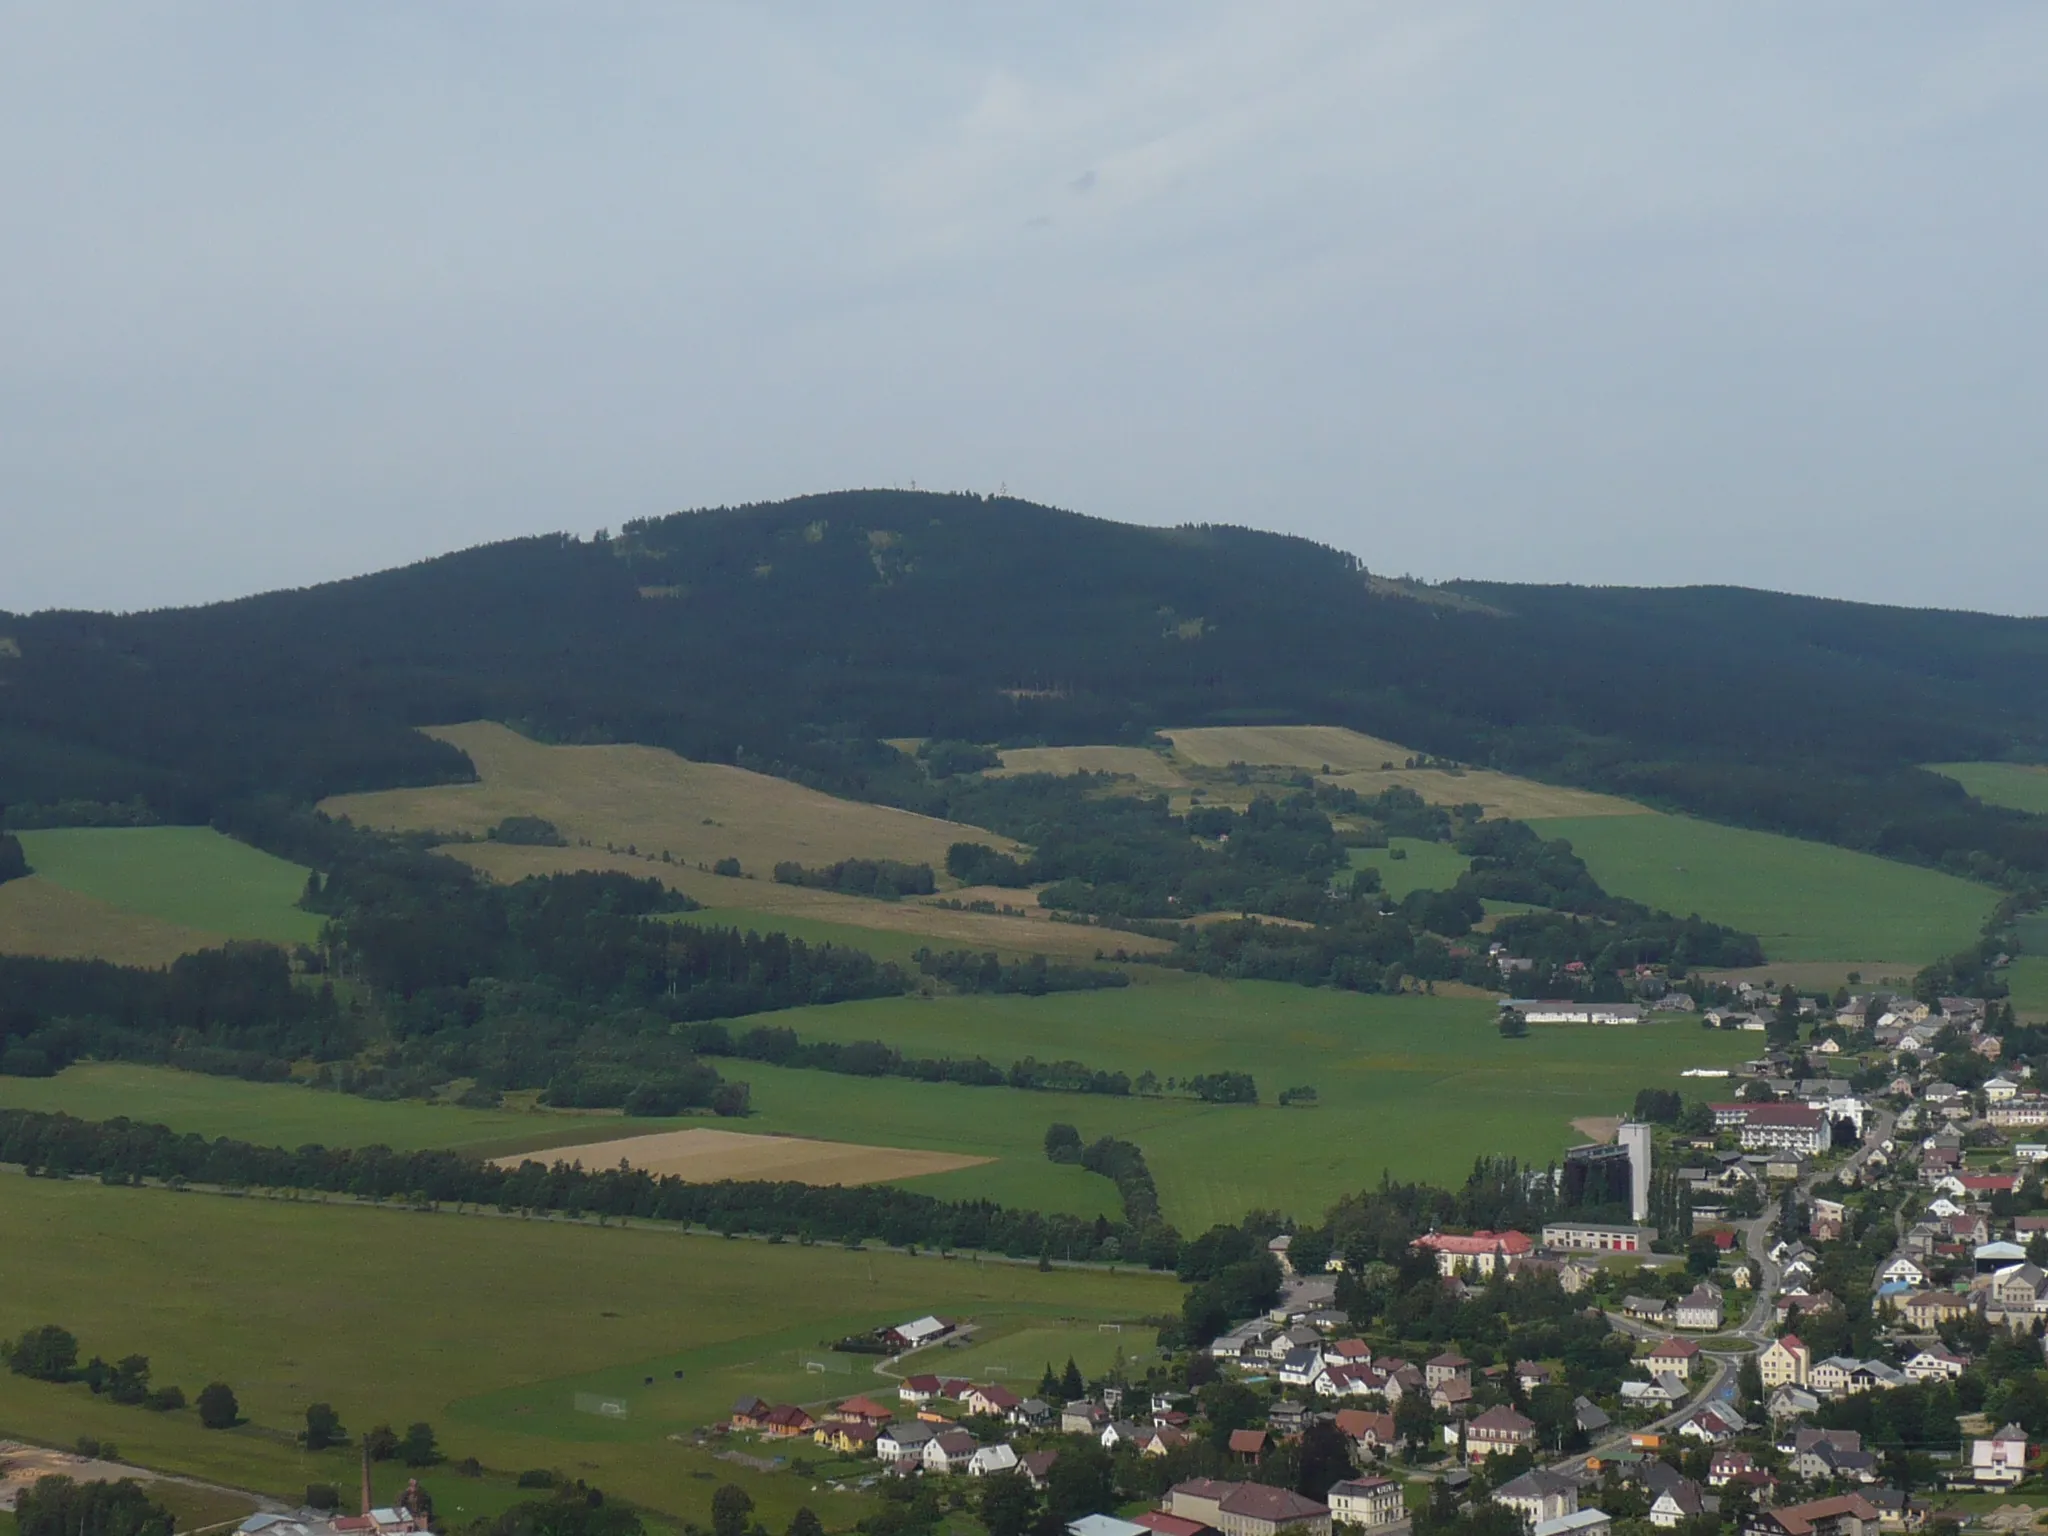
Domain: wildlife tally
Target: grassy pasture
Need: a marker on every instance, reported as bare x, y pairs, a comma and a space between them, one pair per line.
486, 1327
1806, 901
285, 1115
39, 917
1355, 761
190, 877
2019, 786
2028, 978
651, 799
1152, 770
1414, 1085
763, 904
1425, 867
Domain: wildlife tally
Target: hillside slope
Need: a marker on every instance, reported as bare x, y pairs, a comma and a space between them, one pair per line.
792, 636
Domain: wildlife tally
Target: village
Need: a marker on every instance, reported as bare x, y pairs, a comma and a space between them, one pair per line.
1835, 1332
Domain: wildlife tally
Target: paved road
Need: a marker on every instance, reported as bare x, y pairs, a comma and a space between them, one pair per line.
1756, 1238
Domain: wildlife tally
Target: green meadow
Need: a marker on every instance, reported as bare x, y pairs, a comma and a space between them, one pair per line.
486, 1327
287, 1115
1806, 901
188, 875
1422, 866
2028, 978
2019, 786
1416, 1086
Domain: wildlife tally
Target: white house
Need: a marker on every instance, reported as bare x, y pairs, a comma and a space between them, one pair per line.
950, 1450
1903, 1271
1700, 1309
992, 1458
2000, 1459
1367, 1502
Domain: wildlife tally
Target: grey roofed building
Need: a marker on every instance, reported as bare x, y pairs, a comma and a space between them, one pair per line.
1589, 1415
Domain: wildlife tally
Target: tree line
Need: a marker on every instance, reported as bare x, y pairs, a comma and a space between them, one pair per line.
125, 1151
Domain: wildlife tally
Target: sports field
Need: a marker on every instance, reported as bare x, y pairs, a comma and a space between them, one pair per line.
486, 1327
1423, 866
2020, 786
175, 881
1806, 901
651, 800
1369, 764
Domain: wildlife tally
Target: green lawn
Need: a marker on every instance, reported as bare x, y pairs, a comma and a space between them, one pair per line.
485, 1327
2020, 786
1424, 866
1806, 901
189, 875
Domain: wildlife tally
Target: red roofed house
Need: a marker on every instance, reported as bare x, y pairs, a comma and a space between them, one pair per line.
860, 1410
994, 1401
1374, 1431
1248, 1444
918, 1389
1989, 1183
749, 1413
1478, 1254
786, 1421
1169, 1525
1497, 1432
848, 1437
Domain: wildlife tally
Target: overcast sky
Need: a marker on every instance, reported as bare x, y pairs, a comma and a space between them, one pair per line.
1643, 293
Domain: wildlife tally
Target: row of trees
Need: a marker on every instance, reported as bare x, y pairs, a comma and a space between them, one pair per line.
122, 1151
50, 1353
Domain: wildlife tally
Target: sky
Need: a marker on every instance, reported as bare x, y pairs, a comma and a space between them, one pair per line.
1606, 293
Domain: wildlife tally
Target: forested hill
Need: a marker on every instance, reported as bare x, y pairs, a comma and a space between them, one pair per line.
792, 636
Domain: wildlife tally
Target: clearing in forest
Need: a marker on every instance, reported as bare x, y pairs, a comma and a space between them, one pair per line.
704, 1156
1369, 764
650, 800
2017, 786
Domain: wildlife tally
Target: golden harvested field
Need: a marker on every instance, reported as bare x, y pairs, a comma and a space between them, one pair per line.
1035, 934
1354, 761
650, 799
1154, 769
38, 917
706, 1156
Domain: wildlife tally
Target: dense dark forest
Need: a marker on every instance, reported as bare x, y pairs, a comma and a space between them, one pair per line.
791, 637
570, 984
